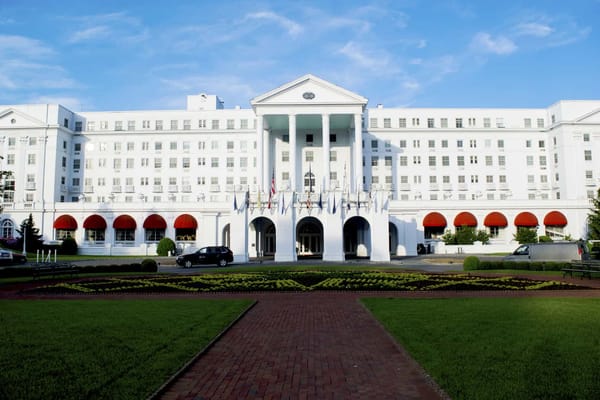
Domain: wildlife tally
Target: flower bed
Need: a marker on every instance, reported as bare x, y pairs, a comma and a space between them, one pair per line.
299, 281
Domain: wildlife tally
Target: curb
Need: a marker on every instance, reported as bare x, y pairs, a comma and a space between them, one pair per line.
173, 378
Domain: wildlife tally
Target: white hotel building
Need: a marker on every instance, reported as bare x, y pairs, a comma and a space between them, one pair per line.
382, 180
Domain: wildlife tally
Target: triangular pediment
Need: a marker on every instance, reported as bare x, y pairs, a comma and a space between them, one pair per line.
12, 118
309, 90
591, 117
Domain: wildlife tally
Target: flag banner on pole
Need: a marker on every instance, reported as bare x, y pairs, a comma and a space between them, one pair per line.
258, 200
282, 204
334, 209
272, 192
357, 200
235, 207
247, 200
320, 201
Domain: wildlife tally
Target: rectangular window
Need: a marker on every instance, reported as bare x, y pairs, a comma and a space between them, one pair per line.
117, 163
310, 138
527, 122
486, 123
374, 145
543, 162
76, 164
488, 161
91, 126
309, 156
459, 123
416, 159
230, 162
158, 163
445, 161
473, 159
472, 143
285, 156
332, 155
430, 123
541, 144
118, 125
158, 146
201, 123
431, 144
214, 162
460, 161
31, 160
416, 122
129, 163
243, 124
244, 162
374, 161
444, 122
540, 122
444, 143
158, 125
403, 161
459, 143
403, 144
131, 125
587, 155
387, 123
215, 124
502, 161
500, 143
146, 124
173, 162
388, 161
432, 161
499, 122
416, 144
529, 161
402, 122
230, 123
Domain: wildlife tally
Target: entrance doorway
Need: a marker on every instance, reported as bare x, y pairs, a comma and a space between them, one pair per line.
261, 238
357, 238
309, 238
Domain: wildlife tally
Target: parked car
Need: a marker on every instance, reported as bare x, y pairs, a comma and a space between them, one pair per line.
219, 255
7, 257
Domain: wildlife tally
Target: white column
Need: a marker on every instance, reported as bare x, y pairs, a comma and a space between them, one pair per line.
260, 148
292, 134
325, 123
358, 154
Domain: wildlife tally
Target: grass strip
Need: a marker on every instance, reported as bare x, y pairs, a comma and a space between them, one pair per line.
508, 348
102, 349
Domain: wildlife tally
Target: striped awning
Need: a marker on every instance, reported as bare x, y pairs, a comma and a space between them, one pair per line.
555, 218
124, 222
495, 218
65, 222
185, 221
94, 222
434, 220
526, 219
465, 219
155, 221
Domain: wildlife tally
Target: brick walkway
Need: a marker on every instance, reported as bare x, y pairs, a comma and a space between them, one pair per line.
305, 346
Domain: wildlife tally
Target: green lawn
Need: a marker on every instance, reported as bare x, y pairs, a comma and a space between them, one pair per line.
519, 348
102, 349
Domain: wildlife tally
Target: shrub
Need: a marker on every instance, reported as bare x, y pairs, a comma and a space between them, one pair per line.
149, 265
471, 263
545, 239
165, 247
68, 246
526, 235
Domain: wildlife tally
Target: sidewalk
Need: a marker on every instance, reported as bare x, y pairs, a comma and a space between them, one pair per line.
305, 346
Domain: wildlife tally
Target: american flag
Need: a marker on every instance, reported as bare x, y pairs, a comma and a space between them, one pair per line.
272, 192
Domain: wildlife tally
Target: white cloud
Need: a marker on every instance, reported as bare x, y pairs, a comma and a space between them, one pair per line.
230, 88
484, 42
365, 59
21, 46
92, 33
411, 84
293, 29
534, 29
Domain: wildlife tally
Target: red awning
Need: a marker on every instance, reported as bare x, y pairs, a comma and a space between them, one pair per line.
434, 220
495, 219
94, 222
526, 219
555, 218
124, 222
155, 221
65, 222
465, 219
185, 221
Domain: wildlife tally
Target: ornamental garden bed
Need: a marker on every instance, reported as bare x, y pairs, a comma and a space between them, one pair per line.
298, 281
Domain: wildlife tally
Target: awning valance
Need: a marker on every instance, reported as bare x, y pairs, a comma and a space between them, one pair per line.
65, 222
555, 218
495, 219
94, 222
434, 220
124, 222
465, 219
155, 221
185, 221
526, 219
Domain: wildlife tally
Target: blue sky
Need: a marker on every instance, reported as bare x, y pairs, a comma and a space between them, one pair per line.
121, 55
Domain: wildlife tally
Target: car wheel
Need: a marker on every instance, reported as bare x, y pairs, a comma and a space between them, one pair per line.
188, 264
222, 262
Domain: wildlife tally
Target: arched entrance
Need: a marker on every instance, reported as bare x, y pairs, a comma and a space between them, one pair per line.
261, 237
357, 238
226, 238
309, 238
393, 238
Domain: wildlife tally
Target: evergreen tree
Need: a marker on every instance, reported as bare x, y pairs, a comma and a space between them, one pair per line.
526, 235
33, 238
593, 220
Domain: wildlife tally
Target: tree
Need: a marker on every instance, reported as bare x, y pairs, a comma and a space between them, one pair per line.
526, 235
165, 247
3, 176
32, 237
593, 220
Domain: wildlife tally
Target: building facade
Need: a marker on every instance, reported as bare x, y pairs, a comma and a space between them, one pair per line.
307, 171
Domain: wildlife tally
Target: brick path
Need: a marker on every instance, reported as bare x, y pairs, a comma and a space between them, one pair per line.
305, 346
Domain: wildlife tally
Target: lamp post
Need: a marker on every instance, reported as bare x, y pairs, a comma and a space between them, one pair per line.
25, 239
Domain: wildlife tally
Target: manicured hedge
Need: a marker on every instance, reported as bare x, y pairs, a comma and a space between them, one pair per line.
25, 271
528, 266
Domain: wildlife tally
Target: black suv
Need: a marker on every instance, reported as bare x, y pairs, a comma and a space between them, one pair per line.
219, 255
